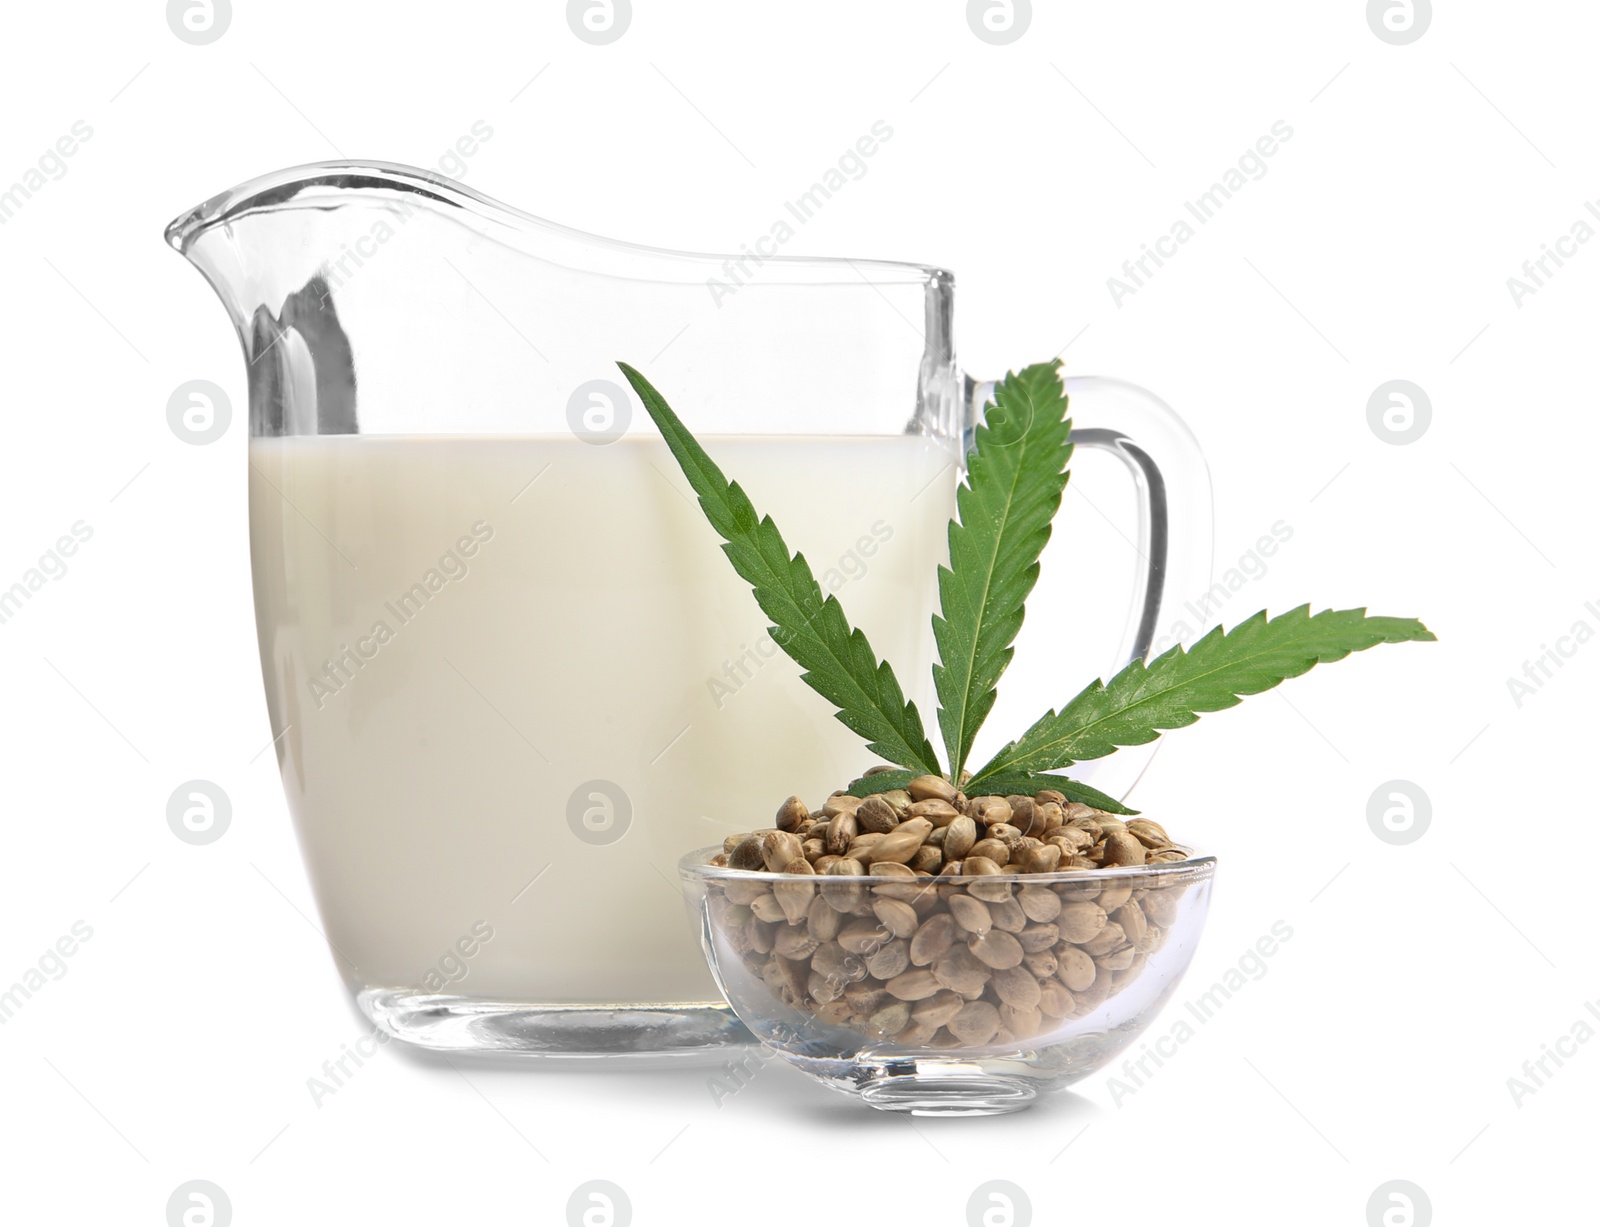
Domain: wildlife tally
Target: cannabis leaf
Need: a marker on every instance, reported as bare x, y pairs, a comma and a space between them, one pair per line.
1013, 490
880, 781
1014, 482
1072, 790
1000, 786
840, 664
1177, 686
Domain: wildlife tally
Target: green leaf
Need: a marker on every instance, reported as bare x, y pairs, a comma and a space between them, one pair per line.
1029, 785
1177, 686
840, 664
1015, 477
1000, 786
881, 781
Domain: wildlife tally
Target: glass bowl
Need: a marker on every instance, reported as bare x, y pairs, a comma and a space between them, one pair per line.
949, 996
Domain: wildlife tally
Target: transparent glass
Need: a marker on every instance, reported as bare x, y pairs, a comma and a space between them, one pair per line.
972, 996
504, 660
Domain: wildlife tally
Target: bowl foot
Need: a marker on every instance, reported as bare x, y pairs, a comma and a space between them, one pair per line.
951, 1095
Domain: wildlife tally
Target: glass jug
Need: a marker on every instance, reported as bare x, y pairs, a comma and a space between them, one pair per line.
511, 677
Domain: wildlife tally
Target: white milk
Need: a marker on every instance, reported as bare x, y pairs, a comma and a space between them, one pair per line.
495, 644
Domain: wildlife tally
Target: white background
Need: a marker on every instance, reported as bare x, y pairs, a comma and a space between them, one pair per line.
1379, 1042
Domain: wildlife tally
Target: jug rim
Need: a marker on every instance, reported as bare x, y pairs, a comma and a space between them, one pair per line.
312, 184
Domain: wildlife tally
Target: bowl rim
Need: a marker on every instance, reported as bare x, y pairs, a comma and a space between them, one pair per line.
695, 866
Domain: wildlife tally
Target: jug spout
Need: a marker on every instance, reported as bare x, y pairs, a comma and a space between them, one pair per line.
369, 296
267, 250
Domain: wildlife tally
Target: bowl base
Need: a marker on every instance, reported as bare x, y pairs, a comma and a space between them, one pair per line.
963, 1095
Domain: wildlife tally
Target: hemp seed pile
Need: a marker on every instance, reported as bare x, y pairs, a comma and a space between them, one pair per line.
953, 951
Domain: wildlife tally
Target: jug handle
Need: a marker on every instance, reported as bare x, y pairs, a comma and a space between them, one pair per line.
1171, 600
